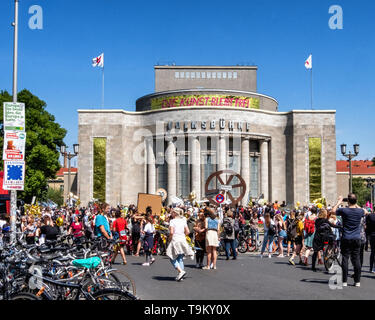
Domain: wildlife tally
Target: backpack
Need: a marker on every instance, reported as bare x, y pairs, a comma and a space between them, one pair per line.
236, 225
228, 229
292, 229
309, 226
272, 230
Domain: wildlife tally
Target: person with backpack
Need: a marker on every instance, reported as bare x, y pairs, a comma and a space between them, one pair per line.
119, 227
323, 234
291, 231
309, 231
281, 231
229, 235
269, 233
298, 240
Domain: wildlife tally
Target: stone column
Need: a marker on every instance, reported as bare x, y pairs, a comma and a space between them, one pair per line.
264, 167
222, 154
245, 167
151, 169
196, 167
172, 170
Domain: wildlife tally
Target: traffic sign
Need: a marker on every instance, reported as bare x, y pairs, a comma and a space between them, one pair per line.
226, 188
219, 198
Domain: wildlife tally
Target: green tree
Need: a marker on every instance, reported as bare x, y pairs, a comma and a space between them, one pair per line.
43, 135
361, 191
55, 195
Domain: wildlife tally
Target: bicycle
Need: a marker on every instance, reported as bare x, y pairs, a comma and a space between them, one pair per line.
331, 253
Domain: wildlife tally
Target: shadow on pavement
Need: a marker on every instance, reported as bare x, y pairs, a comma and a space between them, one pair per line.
160, 278
315, 281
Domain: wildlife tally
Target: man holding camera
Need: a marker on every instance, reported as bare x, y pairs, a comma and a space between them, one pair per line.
351, 236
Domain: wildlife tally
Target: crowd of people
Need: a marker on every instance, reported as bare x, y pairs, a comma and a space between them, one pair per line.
198, 230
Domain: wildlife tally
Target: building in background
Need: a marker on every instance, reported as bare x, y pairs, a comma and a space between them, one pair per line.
61, 182
202, 119
360, 169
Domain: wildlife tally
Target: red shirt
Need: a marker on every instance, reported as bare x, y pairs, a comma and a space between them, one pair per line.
119, 225
77, 229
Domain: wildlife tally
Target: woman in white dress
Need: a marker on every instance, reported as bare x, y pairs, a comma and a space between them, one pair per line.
178, 246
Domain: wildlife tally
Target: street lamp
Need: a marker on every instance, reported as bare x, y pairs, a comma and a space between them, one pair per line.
69, 156
350, 156
370, 184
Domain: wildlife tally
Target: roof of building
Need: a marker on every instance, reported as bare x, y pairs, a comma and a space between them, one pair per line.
361, 167
66, 170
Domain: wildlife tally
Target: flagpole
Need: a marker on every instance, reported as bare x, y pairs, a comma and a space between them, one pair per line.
103, 89
312, 89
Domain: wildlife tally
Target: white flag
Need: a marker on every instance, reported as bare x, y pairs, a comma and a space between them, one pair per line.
98, 61
308, 62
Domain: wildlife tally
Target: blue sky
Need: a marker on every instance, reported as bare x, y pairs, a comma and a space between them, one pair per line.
277, 36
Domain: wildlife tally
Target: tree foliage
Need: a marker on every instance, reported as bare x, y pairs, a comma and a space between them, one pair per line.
43, 135
55, 195
361, 190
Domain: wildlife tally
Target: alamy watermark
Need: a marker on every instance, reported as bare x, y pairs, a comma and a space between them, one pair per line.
335, 282
336, 22
36, 20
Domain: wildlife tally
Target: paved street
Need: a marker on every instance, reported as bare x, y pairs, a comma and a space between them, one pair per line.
248, 278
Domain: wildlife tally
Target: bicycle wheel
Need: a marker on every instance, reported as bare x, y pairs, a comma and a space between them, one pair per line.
328, 263
252, 246
242, 246
24, 296
328, 257
113, 294
124, 281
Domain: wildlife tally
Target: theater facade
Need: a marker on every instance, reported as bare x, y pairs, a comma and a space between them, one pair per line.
200, 120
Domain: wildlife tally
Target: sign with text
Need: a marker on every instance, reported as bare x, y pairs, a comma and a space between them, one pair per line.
14, 175
14, 145
204, 100
14, 116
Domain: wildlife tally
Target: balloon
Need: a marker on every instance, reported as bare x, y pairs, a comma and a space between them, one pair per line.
59, 221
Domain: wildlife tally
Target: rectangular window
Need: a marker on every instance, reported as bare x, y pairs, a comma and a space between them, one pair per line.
254, 177
100, 146
182, 75
203, 75
198, 75
208, 75
224, 75
234, 75
219, 75
234, 164
315, 168
213, 75
192, 75
162, 175
183, 180
209, 167
230, 75
177, 75
187, 75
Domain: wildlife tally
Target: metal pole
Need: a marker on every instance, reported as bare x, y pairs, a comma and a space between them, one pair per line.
312, 89
13, 193
350, 174
103, 90
69, 178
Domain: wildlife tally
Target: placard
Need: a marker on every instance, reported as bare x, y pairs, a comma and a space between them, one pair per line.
152, 200
14, 175
14, 116
14, 145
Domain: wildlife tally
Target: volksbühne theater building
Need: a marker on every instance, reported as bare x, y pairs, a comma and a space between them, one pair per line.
202, 119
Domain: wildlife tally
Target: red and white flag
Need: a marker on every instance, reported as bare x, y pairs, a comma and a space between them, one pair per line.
98, 61
308, 62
